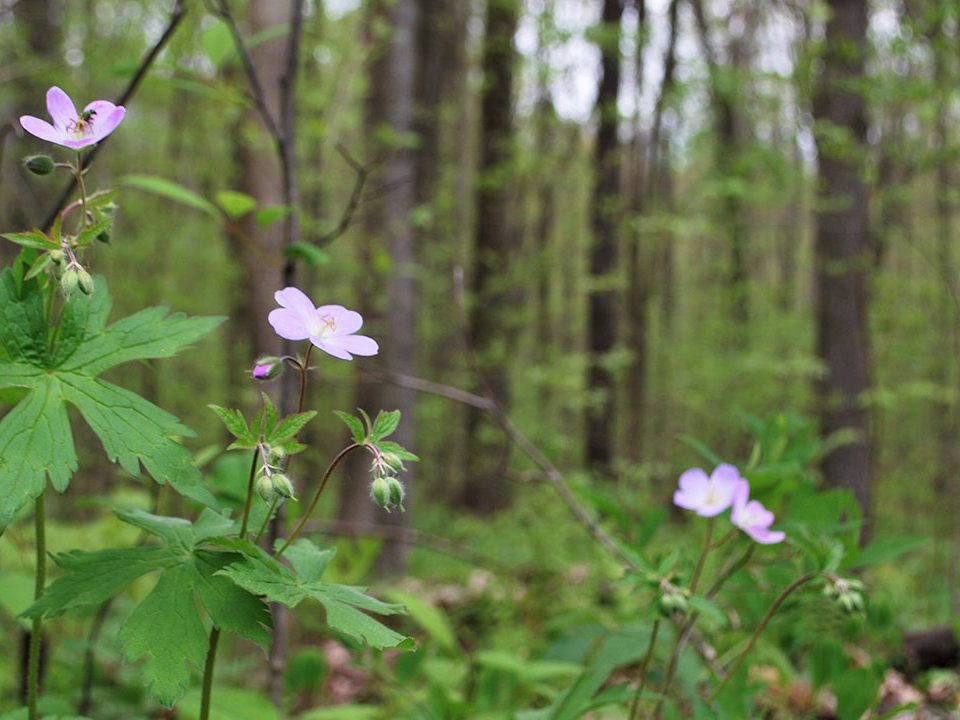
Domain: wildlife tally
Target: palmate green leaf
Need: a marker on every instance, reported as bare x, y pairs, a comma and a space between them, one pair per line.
167, 628
236, 425
385, 424
36, 441
344, 604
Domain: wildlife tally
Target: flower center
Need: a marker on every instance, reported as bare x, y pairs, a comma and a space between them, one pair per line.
82, 125
327, 324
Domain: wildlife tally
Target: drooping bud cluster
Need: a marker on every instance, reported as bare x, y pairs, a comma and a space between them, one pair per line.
672, 599
272, 483
73, 276
385, 490
847, 592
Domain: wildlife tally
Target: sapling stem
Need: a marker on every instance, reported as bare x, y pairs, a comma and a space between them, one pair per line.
36, 632
208, 673
249, 500
685, 628
642, 672
787, 591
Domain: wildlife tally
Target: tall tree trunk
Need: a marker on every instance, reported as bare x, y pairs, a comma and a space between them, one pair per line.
723, 97
841, 255
605, 222
390, 106
639, 276
486, 488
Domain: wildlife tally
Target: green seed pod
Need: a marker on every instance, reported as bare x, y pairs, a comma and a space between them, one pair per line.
57, 256
39, 164
85, 281
69, 282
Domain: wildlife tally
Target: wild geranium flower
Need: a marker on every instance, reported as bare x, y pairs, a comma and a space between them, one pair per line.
70, 128
707, 496
752, 517
330, 327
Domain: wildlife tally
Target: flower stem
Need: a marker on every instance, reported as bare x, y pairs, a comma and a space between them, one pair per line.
304, 370
36, 633
316, 497
249, 501
266, 521
83, 191
642, 672
208, 673
787, 591
684, 630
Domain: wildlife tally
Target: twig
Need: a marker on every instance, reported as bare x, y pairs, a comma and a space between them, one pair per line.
178, 13
408, 536
257, 95
361, 173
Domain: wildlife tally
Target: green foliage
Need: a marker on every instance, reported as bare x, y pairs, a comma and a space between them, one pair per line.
266, 429
189, 571
61, 368
344, 604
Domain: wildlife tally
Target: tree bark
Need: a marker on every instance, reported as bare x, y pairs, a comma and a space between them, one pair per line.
390, 113
842, 256
486, 488
605, 221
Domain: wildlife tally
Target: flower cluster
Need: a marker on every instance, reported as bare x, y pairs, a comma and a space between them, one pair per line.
272, 483
709, 496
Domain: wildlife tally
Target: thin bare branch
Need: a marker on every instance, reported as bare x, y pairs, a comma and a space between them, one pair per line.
361, 173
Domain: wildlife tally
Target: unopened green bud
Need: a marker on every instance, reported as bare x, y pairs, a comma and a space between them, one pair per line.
392, 461
85, 281
277, 454
380, 492
39, 164
69, 282
57, 256
265, 487
396, 492
282, 485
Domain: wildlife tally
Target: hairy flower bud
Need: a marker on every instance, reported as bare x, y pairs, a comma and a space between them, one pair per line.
267, 368
380, 492
69, 282
85, 282
281, 485
39, 164
396, 491
264, 487
57, 256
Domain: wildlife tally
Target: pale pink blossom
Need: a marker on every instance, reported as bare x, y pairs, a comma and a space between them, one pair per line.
752, 517
70, 128
707, 496
331, 328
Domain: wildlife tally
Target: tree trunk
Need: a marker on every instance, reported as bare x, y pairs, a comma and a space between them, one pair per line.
486, 488
841, 256
390, 107
605, 222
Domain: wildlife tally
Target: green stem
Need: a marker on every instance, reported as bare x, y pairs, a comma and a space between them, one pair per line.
83, 191
787, 591
304, 369
316, 497
642, 673
249, 501
36, 633
208, 673
687, 625
266, 520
